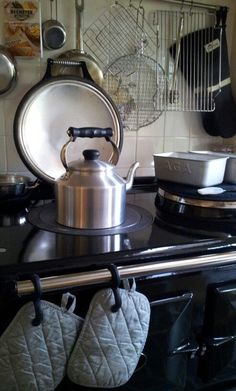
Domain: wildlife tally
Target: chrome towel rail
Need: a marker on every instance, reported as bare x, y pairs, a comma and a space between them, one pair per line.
159, 268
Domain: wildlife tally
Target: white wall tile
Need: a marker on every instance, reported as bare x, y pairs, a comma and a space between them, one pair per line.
177, 124
147, 146
129, 133
207, 143
127, 156
3, 157
157, 128
10, 107
196, 126
178, 144
14, 162
2, 119
145, 171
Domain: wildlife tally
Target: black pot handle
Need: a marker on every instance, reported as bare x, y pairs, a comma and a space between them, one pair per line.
68, 63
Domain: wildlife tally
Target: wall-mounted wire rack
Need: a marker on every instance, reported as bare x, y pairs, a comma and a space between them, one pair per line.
189, 51
170, 65
126, 46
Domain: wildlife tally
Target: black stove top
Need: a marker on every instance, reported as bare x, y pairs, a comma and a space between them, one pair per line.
27, 245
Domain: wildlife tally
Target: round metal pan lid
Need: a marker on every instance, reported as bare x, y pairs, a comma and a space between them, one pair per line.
48, 110
8, 72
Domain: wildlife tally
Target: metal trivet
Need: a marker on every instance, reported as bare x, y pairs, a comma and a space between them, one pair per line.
44, 217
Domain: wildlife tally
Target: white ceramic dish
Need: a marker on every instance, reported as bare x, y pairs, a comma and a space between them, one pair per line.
230, 169
201, 170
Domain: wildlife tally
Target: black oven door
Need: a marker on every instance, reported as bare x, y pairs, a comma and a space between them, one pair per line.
169, 346
218, 363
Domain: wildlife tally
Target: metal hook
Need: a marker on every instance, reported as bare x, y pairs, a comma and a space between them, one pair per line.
79, 5
37, 304
114, 286
141, 13
191, 8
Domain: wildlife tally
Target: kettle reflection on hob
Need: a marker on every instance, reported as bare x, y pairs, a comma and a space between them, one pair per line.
15, 218
44, 245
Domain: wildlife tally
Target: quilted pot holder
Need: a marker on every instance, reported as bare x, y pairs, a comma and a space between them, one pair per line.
34, 358
110, 344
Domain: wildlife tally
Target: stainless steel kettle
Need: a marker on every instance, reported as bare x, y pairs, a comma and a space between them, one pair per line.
90, 195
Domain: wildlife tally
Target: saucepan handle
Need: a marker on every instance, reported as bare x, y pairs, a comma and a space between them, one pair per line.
91, 132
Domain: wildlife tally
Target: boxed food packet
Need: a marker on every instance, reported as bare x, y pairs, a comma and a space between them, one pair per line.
22, 31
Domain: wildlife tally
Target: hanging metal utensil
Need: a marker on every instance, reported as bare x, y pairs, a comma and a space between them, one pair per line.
131, 81
187, 52
173, 94
53, 32
79, 54
117, 33
8, 74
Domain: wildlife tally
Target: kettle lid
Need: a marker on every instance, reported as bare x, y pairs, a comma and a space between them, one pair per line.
91, 162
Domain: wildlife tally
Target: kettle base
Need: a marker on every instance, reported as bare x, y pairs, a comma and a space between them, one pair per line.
44, 217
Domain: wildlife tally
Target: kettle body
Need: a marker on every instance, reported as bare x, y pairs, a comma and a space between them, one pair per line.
91, 195
91, 199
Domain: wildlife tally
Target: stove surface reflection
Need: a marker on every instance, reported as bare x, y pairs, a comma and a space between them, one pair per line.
26, 243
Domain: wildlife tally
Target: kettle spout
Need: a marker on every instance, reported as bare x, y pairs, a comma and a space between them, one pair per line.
130, 175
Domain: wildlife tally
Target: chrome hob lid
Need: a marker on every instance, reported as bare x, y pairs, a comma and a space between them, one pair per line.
189, 196
185, 207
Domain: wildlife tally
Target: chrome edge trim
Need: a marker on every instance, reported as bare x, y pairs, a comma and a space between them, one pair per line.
196, 202
140, 270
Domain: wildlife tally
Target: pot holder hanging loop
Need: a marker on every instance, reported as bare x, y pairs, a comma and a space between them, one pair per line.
115, 285
37, 304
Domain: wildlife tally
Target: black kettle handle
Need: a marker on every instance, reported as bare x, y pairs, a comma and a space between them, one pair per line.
90, 132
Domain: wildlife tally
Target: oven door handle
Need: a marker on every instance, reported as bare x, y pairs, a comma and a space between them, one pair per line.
218, 341
188, 346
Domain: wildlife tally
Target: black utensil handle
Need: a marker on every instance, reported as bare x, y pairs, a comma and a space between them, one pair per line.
68, 63
90, 132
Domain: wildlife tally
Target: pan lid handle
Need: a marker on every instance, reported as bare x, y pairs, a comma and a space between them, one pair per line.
51, 62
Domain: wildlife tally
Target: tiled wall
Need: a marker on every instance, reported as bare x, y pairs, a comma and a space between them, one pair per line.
173, 131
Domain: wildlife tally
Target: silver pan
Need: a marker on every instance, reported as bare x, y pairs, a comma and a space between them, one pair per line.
49, 109
8, 74
79, 54
12, 185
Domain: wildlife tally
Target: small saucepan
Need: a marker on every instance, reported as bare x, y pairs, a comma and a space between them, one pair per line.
13, 186
54, 33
